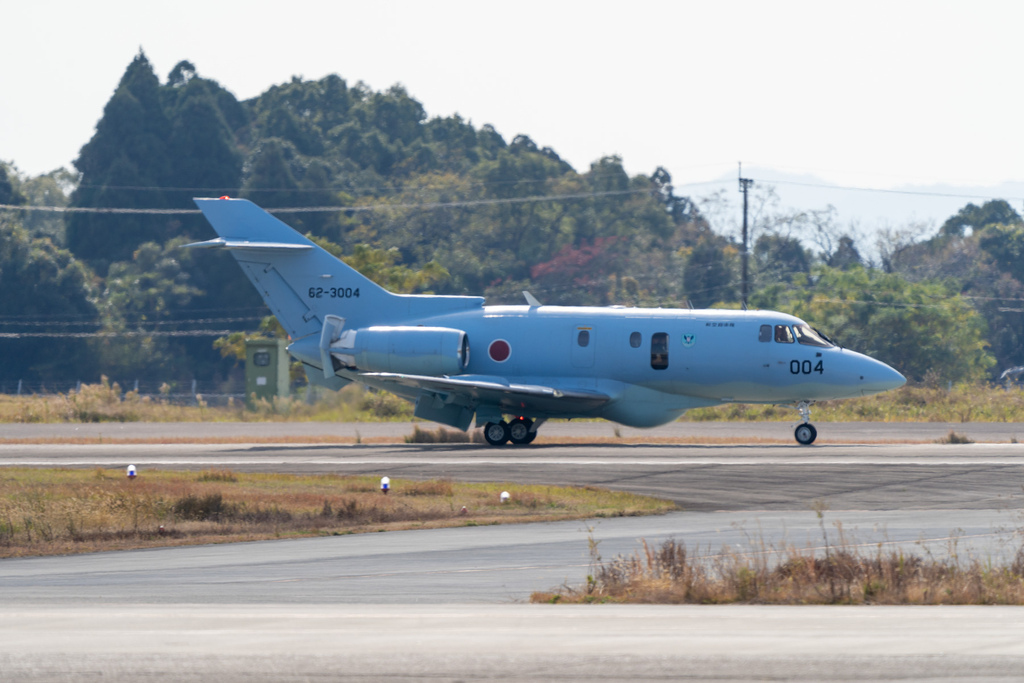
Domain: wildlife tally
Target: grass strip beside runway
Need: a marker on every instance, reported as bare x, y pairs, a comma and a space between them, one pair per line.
837, 572
62, 511
108, 402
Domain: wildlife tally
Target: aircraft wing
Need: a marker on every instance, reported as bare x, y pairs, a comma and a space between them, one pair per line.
496, 391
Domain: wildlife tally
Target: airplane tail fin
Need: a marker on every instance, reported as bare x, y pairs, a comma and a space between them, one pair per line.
300, 282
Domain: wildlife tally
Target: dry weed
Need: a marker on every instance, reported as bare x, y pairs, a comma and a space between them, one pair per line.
106, 402
65, 511
671, 574
954, 437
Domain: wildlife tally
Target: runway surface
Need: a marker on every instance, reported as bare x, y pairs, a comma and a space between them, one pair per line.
510, 643
828, 432
698, 478
442, 604
496, 564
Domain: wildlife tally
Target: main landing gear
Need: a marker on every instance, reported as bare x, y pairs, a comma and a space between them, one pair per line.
805, 432
519, 431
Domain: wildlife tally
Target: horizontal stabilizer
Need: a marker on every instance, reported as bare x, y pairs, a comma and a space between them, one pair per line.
221, 243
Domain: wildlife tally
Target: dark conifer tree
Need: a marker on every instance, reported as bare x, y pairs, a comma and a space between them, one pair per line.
125, 164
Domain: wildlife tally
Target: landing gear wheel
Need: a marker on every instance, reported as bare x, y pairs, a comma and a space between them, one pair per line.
519, 431
806, 434
496, 433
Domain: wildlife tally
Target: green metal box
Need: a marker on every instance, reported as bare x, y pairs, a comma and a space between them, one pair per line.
266, 369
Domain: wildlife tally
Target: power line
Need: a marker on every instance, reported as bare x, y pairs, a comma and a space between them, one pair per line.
339, 209
87, 209
474, 202
73, 323
894, 304
128, 333
342, 186
920, 193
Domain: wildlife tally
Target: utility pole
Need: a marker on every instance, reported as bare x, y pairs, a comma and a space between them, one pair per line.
745, 184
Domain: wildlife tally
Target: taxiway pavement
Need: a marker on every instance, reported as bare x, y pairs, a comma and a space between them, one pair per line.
698, 478
199, 643
442, 604
828, 432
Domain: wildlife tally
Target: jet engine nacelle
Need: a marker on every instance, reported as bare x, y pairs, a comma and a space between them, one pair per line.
431, 351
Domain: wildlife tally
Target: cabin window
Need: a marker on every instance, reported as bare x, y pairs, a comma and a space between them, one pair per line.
261, 358
808, 336
765, 333
659, 350
783, 335
583, 338
635, 340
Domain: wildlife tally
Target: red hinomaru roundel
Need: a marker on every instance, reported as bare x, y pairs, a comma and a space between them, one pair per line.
499, 350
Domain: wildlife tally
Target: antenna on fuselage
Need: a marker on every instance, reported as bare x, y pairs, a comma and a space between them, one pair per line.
531, 299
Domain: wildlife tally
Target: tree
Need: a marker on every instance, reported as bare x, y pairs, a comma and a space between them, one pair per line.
846, 255
779, 259
384, 267
1004, 243
271, 181
926, 330
141, 299
708, 274
681, 209
154, 148
977, 217
578, 276
49, 189
125, 164
46, 290
8, 193
206, 156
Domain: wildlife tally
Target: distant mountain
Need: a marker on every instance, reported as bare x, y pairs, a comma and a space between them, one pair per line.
869, 208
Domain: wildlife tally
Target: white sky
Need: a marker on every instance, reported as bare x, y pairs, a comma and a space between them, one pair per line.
870, 93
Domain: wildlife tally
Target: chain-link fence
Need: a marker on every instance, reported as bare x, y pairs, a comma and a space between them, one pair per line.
178, 393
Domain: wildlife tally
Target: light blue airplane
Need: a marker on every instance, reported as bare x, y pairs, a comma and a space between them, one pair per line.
456, 358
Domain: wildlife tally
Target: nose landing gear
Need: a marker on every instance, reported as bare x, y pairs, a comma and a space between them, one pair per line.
805, 432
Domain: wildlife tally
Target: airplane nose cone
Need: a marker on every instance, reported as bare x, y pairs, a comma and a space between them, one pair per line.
893, 379
877, 377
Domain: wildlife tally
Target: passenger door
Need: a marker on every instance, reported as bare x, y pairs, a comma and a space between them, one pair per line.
583, 343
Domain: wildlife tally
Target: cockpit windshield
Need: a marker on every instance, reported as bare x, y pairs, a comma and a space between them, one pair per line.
810, 337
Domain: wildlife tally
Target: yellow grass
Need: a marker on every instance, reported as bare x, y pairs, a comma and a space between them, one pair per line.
835, 574
59, 511
962, 403
104, 402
